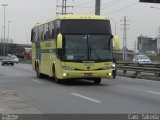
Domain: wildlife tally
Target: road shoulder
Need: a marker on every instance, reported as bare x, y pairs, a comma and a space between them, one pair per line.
11, 103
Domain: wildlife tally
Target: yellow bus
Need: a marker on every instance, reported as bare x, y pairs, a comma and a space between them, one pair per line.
74, 47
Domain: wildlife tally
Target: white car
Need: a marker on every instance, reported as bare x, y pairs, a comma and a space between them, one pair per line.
141, 59
15, 58
7, 60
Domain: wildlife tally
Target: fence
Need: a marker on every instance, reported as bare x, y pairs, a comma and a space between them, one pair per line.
138, 68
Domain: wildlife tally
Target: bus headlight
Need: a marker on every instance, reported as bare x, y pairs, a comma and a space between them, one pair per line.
64, 74
68, 68
113, 65
110, 74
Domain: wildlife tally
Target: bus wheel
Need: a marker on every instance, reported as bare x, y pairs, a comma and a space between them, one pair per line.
114, 74
97, 81
57, 80
39, 75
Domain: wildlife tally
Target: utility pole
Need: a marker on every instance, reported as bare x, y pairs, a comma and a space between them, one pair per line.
4, 49
2, 40
158, 41
125, 20
97, 7
8, 42
64, 7
159, 32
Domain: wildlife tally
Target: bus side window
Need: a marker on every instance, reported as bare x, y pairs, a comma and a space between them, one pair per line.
57, 31
46, 31
37, 34
42, 32
56, 28
53, 33
52, 30
49, 30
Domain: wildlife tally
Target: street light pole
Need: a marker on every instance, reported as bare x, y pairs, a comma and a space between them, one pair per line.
8, 35
2, 41
4, 5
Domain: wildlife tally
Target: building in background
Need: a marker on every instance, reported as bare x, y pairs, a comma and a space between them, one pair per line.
22, 51
148, 45
6, 40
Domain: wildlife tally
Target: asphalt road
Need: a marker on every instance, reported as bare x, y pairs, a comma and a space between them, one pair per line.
121, 95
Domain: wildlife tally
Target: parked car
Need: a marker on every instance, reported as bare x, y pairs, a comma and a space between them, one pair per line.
15, 58
141, 59
8, 61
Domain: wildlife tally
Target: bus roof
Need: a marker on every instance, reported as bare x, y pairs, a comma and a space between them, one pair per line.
94, 17
74, 17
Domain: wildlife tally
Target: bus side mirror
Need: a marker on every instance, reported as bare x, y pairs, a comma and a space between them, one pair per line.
116, 42
59, 41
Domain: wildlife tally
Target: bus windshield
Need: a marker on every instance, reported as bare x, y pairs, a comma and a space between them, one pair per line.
87, 47
85, 27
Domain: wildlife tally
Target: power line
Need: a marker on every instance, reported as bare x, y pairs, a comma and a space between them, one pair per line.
113, 3
119, 10
86, 3
136, 27
82, 10
81, 6
108, 3
86, 7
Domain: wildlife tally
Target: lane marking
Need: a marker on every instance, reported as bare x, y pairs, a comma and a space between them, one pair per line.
87, 98
19, 74
144, 80
37, 81
26, 67
157, 93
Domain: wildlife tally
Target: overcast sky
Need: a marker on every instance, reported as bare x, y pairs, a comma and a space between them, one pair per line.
143, 20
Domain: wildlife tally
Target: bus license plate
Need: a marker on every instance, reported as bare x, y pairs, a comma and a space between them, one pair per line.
88, 74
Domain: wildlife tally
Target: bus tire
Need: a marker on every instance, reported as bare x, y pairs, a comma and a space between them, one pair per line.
97, 81
53, 72
39, 75
114, 74
57, 80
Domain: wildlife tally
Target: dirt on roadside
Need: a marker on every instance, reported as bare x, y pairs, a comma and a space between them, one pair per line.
11, 103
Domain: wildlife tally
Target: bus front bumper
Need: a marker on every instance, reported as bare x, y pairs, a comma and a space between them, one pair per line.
66, 74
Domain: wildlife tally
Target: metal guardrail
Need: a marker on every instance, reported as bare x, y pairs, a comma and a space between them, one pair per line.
138, 68
1, 58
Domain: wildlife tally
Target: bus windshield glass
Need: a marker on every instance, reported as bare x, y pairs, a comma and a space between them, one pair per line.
87, 47
85, 27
